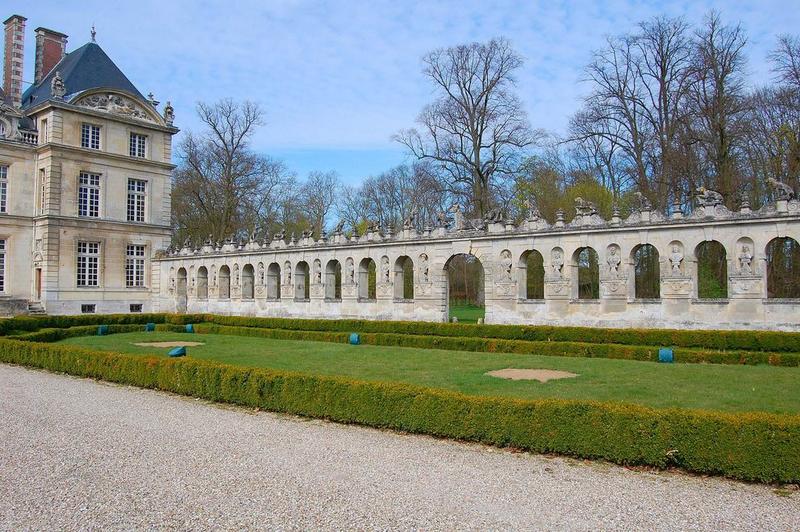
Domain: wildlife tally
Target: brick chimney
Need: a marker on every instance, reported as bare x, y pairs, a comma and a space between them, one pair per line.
51, 46
13, 57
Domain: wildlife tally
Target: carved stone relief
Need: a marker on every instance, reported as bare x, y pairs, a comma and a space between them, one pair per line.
115, 104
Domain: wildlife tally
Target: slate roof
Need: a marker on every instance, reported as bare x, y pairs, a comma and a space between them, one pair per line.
88, 67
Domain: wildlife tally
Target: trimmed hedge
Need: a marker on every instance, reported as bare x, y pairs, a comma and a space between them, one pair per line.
491, 345
754, 446
54, 335
28, 323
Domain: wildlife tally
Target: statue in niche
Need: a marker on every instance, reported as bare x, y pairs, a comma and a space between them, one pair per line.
707, 197
506, 265
317, 272
235, 275
557, 263
423, 268
613, 260
385, 269
172, 282
675, 260
213, 276
261, 273
350, 271
746, 261
584, 208
288, 275
782, 190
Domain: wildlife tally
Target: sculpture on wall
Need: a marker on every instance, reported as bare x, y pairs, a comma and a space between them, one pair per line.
213, 275
57, 88
642, 203
494, 216
675, 260
584, 208
235, 275
782, 190
506, 265
169, 114
532, 209
557, 263
424, 274
707, 197
317, 272
350, 271
385, 269
408, 221
337, 230
116, 104
746, 261
261, 274
287, 276
458, 217
613, 260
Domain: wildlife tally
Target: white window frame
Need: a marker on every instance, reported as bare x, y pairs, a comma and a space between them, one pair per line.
87, 265
135, 262
3, 248
88, 195
90, 136
136, 210
3, 188
137, 145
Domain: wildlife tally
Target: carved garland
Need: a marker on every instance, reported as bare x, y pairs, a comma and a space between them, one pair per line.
115, 104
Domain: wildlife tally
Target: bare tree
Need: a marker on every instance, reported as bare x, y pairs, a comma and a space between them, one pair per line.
221, 186
318, 197
476, 128
786, 58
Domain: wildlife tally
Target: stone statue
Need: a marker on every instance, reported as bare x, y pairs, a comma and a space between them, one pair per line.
494, 216
458, 217
57, 88
213, 276
782, 190
339, 228
532, 209
292, 239
424, 274
557, 262
385, 269
707, 197
287, 268
441, 219
235, 275
169, 114
317, 272
506, 265
350, 272
746, 261
613, 260
584, 208
408, 221
187, 243
675, 260
643, 204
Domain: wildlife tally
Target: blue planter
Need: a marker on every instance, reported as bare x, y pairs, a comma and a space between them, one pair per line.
102, 330
665, 355
189, 328
355, 339
150, 327
177, 352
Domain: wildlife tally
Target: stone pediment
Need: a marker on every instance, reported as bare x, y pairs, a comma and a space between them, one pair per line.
116, 104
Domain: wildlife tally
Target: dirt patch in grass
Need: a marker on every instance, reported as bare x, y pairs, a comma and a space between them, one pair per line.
168, 344
541, 375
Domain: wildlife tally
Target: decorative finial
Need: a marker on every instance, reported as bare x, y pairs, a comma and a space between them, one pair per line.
169, 114
152, 100
94, 33
57, 88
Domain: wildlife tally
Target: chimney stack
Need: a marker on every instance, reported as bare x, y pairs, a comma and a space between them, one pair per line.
51, 46
14, 55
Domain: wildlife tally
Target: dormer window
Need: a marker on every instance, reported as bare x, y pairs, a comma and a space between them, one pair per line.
138, 145
90, 136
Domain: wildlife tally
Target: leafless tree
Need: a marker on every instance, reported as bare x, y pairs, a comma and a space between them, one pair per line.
221, 186
318, 197
476, 129
786, 58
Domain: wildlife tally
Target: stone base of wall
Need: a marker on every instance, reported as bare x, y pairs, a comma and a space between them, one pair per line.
13, 307
58, 307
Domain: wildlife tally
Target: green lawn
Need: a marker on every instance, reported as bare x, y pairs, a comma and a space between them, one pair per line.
467, 313
711, 386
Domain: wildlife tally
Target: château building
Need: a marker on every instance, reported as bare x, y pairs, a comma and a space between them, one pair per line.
85, 164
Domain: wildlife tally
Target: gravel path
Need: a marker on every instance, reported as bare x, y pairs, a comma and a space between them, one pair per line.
82, 454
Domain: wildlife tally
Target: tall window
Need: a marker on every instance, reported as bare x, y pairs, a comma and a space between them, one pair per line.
136, 196
42, 189
90, 136
134, 266
89, 195
88, 263
138, 145
43, 131
3, 188
2, 265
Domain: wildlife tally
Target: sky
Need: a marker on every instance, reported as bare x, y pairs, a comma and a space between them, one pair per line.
336, 79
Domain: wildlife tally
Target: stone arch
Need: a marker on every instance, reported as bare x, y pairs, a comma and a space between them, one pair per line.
404, 278
181, 282
274, 281
585, 264
530, 275
202, 282
783, 268
224, 278
367, 278
333, 280
248, 282
712, 270
646, 272
464, 286
301, 281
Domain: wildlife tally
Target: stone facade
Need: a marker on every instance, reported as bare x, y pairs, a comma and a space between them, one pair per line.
193, 281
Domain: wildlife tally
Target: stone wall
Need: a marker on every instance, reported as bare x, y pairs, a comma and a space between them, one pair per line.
246, 278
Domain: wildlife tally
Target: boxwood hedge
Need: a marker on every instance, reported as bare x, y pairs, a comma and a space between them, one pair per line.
753, 446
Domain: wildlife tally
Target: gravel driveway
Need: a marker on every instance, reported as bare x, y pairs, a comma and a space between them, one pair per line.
82, 454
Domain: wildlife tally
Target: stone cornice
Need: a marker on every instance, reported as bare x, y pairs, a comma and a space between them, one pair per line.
99, 114
99, 153
73, 221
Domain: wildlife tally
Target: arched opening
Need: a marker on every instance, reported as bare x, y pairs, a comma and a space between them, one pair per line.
712, 270
333, 280
202, 282
404, 278
301, 281
646, 272
367, 277
783, 268
248, 282
586, 262
224, 282
274, 281
531, 275
181, 290
465, 295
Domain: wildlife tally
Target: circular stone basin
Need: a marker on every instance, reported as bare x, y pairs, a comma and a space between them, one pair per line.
168, 344
541, 375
